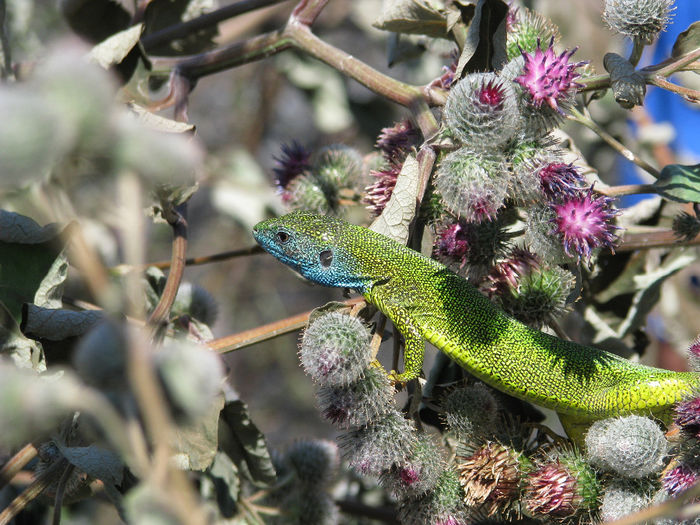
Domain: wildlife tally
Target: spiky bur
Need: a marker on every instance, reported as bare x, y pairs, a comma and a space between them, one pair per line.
694, 354
584, 223
472, 185
418, 474
537, 295
329, 170
378, 446
440, 506
525, 30
550, 78
540, 235
561, 487
641, 19
491, 478
306, 508
314, 462
529, 160
481, 111
623, 497
631, 446
466, 243
335, 349
358, 403
471, 411
292, 162
395, 143
686, 226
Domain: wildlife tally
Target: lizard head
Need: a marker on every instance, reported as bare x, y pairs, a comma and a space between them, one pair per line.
312, 245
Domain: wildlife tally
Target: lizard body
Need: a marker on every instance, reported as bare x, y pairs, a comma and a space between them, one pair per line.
425, 300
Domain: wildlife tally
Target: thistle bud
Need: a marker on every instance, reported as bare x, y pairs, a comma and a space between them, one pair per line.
631, 446
440, 506
640, 19
293, 161
525, 30
623, 497
465, 243
418, 474
472, 185
471, 411
315, 462
482, 111
335, 349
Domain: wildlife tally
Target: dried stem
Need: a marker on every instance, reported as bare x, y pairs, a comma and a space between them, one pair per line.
627, 189
60, 493
17, 463
691, 95
176, 219
241, 340
40, 483
585, 120
665, 238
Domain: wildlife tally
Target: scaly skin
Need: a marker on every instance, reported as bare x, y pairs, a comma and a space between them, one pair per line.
425, 300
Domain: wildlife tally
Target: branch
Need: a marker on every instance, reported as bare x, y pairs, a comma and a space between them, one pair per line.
184, 29
17, 463
241, 340
662, 238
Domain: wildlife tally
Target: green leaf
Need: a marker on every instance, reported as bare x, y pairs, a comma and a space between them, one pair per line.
413, 17
97, 462
687, 41
679, 183
27, 254
195, 445
241, 440
227, 484
485, 47
57, 324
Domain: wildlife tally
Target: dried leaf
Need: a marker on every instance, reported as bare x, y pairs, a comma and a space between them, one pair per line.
688, 41
195, 444
413, 17
115, 48
485, 47
401, 208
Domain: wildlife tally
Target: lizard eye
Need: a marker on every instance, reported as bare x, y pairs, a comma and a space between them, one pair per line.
326, 258
282, 237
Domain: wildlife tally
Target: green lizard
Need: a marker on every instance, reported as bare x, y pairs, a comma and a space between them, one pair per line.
425, 300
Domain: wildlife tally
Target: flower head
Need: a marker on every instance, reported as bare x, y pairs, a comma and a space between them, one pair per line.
294, 160
474, 243
395, 142
584, 223
558, 179
551, 490
549, 77
688, 416
679, 478
377, 195
642, 19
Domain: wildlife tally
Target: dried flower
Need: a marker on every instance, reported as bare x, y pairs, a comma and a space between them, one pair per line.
549, 77
491, 477
396, 142
688, 416
584, 223
471, 243
378, 194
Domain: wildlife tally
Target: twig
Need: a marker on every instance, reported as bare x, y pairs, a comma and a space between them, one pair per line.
637, 49
17, 463
241, 340
665, 238
627, 189
177, 219
193, 261
691, 95
184, 29
585, 120
60, 492
5, 43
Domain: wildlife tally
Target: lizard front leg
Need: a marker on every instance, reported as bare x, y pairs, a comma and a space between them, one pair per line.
414, 346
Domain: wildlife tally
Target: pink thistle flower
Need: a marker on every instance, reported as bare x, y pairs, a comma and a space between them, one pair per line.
679, 479
549, 77
491, 94
558, 179
507, 274
584, 223
409, 475
453, 242
378, 194
551, 490
293, 161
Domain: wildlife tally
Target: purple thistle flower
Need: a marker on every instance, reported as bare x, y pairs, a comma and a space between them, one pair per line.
688, 416
447, 78
293, 161
396, 141
408, 475
549, 77
551, 490
558, 179
378, 194
492, 94
453, 242
584, 223
678, 479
